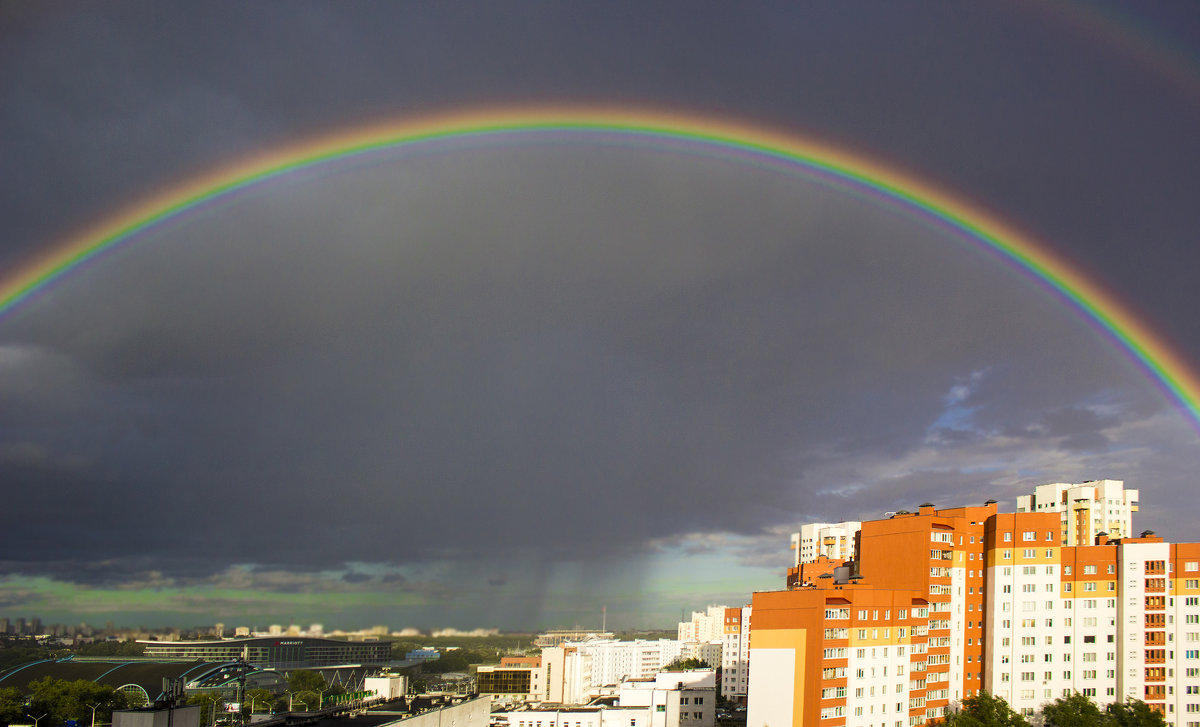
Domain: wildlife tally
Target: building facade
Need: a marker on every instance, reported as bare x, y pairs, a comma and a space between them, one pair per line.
831, 540
1086, 509
704, 627
735, 654
989, 601
842, 654
669, 699
275, 653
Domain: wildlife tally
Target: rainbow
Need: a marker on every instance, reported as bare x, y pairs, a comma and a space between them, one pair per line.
710, 136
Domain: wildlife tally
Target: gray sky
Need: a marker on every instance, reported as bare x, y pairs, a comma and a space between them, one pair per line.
503, 384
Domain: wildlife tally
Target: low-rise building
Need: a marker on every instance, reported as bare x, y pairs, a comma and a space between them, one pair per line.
670, 699
273, 652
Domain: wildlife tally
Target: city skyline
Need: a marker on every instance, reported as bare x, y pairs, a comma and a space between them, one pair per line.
508, 378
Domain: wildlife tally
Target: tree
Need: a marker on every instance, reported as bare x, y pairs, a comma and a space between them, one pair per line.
1073, 711
984, 710
306, 681
12, 706
1134, 713
307, 688
61, 700
258, 700
208, 702
682, 664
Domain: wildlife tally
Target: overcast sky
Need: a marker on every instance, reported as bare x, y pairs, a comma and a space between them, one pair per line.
506, 384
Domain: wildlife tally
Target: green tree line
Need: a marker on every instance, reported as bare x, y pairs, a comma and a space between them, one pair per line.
60, 700
1076, 710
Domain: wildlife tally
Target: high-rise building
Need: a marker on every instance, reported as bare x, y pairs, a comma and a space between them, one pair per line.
735, 654
704, 627
1085, 510
831, 540
1112, 621
849, 652
988, 601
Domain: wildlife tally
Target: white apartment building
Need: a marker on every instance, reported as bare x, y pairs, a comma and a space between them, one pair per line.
735, 654
669, 699
1086, 509
616, 661
674, 698
832, 540
567, 675
1113, 621
705, 626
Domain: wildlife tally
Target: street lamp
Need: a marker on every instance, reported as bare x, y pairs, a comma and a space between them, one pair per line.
35, 719
94, 707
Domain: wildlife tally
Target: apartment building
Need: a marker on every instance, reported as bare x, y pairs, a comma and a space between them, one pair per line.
704, 627
735, 654
517, 680
1086, 509
940, 554
1004, 606
846, 654
670, 699
831, 540
615, 661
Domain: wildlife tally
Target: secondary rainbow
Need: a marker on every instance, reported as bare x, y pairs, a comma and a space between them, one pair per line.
713, 136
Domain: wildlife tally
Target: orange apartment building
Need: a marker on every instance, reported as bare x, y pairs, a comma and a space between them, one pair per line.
1003, 606
831, 651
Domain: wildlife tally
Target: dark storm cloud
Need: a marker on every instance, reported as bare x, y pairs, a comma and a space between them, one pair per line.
498, 337
563, 356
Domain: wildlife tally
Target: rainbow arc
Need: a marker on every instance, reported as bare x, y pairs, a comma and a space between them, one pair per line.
755, 145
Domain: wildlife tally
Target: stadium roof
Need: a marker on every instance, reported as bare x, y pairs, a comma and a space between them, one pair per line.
114, 672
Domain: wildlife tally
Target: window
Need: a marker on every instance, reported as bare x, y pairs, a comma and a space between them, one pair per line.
1008, 537
1028, 535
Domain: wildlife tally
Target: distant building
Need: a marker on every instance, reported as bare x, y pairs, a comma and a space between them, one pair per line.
386, 686
735, 654
671, 699
705, 626
425, 654
1086, 509
518, 680
560, 636
616, 661
276, 652
832, 540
